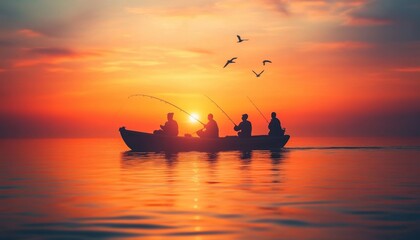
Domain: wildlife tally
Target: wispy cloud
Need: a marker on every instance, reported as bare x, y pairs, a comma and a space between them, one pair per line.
57, 51
58, 69
35, 56
51, 18
174, 12
408, 69
108, 69
334, 46
185, 11
151, 56
366, 21
29, 33
312, 8
201, 51
178, 52
280, 6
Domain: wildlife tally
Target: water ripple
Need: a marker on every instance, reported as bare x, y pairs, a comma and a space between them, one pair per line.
86, 234
299, 223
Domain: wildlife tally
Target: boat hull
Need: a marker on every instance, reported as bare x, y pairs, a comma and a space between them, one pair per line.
146, 142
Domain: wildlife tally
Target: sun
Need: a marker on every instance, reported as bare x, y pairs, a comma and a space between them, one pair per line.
194, 118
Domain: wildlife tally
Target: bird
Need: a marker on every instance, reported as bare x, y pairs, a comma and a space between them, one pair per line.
266, 61
230, 61
240, 39
258, 74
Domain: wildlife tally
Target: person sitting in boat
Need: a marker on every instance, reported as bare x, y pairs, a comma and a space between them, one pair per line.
275, 126
211, 130
170, 128
245, 127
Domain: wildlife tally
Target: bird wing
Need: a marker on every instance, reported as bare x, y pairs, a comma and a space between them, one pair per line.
267, 61
239, 37
233, 58
261, 72
254, 72
227, 63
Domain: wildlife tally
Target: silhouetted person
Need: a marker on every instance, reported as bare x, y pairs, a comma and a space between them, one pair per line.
245, 127
275, 126
170, 128
211, 130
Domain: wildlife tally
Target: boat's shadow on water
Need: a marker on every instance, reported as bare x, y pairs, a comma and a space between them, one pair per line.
130, 158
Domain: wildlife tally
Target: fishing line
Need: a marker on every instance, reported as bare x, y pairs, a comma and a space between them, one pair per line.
221, 109
257, 109
173, 105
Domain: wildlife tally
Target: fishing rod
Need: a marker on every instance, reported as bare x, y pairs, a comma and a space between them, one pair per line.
257, 109
221, 109
173, 105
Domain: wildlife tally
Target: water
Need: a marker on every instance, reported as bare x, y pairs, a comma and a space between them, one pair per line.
93, 189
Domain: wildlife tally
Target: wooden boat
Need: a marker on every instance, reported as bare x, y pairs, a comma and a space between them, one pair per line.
145, 142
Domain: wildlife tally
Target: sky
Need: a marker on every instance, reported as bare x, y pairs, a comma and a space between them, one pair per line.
340, 68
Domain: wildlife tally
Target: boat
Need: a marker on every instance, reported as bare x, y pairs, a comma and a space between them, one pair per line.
148, 142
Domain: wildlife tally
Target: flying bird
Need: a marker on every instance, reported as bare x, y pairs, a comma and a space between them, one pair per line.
266, 61
258, 74
230, 61
240, 39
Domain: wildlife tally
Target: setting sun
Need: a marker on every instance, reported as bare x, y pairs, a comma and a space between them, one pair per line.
194, 118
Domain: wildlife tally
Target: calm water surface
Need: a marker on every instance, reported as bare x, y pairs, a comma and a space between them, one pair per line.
94, 189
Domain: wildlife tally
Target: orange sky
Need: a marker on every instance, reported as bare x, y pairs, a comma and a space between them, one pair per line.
340, 68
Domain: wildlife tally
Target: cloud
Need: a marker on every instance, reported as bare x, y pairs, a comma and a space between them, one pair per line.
176, 52
57, 69
172, 12
311, 8
179, 8
408, 70
50, 18
135, 62
200, 51
280, 6
124, 65
36, 56
29, 33
365, 21
51, 51
8, 43
109, 69
129, 59
387, 20
334, 46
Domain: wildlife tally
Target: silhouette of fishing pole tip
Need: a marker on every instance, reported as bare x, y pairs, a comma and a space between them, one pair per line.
240, 39
232, 60
266, 61
257, 74
167, 102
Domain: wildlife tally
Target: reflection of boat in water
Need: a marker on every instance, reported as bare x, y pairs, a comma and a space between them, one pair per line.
142, 142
